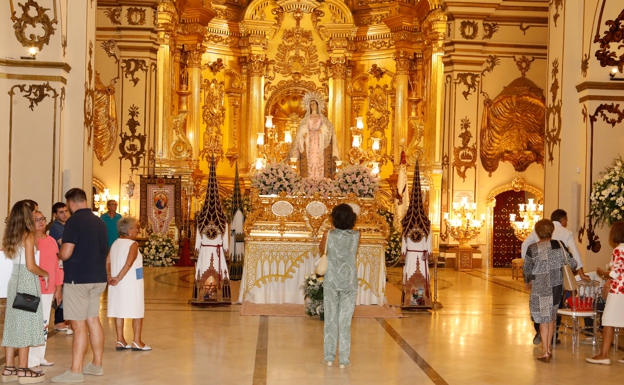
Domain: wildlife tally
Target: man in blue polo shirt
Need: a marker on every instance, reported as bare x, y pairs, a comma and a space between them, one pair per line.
83, 252
111, 218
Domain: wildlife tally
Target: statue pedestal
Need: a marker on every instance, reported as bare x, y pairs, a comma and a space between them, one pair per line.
463, 258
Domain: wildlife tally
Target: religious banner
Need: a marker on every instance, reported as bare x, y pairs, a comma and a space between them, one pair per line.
160, 203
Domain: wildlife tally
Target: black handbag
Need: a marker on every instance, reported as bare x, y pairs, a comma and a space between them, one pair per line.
23, 301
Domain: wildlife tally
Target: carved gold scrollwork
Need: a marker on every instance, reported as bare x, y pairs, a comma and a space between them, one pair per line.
131, 66
491, 61
213, 116
20, 24
470, 80
403, 61
469, 29
524, 64
132, 147
35, 93
89, 97
62, 98
181, 147
557, 4
296, 54
553, 113
135, 16
377, 72
339, 67
614, 34
216, 66
109, 47
489, 29
513, 125
465, 156
257, 64
105, 122
113, 15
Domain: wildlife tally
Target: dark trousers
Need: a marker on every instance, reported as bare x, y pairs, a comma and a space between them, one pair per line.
58, 315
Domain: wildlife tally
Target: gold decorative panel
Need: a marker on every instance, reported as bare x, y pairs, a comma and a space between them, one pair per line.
465, 156
105, 123
296, 54
513, 125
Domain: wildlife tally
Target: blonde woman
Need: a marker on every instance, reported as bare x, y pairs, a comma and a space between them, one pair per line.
22, 329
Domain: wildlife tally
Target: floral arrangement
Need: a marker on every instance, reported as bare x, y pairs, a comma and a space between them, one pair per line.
158, 251
358, 180
313, 290
606, 202
275, 178
393, 248
226, 203
325, 187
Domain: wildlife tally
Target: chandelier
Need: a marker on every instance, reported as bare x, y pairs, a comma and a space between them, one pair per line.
463, 225
100, 200
530, 214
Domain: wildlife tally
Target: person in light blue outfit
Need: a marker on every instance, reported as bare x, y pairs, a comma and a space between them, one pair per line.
111, 218
340, 284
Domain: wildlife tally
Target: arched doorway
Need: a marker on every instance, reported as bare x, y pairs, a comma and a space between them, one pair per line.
502, 201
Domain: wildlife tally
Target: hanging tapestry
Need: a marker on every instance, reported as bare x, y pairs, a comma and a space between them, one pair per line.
160, 203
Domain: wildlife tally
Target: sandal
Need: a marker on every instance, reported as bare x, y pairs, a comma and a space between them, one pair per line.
12, 376
29, 377
121, 346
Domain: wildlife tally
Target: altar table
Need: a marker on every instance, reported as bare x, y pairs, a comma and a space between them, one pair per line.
273, 272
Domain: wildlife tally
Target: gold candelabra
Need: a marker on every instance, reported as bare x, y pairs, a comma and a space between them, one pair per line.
530, 214
463, 226
373, 157
270, 148
100, 200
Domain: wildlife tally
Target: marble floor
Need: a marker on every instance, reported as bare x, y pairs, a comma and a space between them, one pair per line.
483, 335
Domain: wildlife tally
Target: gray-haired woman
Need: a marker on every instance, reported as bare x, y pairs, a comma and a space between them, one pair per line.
124, 266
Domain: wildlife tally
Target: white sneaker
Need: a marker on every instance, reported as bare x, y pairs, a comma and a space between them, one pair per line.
70, 332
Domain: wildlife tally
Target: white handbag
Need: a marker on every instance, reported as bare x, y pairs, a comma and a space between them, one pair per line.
323, 263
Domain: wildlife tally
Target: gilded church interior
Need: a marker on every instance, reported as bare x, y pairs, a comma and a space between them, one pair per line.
499, 101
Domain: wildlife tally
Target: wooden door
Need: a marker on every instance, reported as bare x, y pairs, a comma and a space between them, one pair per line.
505, 244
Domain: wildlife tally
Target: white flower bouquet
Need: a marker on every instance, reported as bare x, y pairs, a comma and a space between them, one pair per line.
606, 202
358, 180
158, 251
313, 290
275, 178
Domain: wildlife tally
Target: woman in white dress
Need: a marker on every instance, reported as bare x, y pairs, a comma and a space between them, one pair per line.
124, 266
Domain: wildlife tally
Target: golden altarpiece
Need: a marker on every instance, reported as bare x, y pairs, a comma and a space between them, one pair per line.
223, 67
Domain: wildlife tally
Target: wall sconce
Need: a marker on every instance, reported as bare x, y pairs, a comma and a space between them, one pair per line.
269, 121
613, 73
359, 122
32, 51
260, 140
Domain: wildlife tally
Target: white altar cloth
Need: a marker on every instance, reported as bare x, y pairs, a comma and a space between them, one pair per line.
273, 272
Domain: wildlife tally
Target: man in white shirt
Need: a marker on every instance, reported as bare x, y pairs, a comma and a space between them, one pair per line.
560, 219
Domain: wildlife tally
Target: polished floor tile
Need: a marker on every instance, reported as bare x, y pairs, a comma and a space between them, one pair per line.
483, 335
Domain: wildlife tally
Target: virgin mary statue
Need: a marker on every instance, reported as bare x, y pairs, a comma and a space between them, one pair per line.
314, 136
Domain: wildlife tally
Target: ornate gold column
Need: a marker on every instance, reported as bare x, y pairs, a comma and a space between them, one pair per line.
403, 61
193, 123
167, 22
257, 66
434, 29
338, 102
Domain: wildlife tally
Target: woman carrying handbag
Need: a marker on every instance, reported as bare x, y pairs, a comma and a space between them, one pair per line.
22, 328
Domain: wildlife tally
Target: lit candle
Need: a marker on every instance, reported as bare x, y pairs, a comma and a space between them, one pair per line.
359, 122
512, 217
455, 205
269, 121
287, 137
375, 144
356, 141
260, 139
446, 216
482, 217
258, 163
474, 206
521, 207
